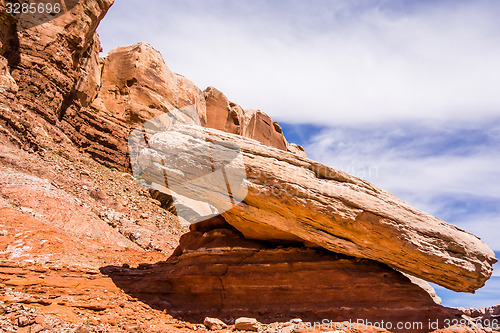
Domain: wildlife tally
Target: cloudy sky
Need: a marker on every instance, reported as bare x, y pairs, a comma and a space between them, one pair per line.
405, 94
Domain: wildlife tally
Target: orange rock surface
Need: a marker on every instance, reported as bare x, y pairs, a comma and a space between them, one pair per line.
76, 231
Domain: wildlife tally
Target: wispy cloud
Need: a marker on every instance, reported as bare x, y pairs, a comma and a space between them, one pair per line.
336, 62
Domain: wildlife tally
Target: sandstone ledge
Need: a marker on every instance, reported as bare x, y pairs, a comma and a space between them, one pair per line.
292, 198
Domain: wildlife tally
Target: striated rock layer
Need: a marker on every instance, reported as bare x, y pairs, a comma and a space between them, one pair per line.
47, 65
221, 274
229, 117
291, 198
57, 93
134, 85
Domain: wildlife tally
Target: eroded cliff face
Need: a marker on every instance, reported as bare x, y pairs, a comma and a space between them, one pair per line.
229, 117
46, 62
57, 93
133, 85
72, 225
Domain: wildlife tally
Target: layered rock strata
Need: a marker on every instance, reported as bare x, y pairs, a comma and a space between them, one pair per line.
46, 64
219, 273
291, 198
56, 92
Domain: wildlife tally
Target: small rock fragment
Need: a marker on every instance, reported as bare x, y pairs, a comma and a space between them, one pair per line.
214, 324
247, 324
36, 328
24, 321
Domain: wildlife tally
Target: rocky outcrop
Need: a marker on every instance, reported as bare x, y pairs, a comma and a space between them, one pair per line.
229, 117
133, 85
72, 96
220, 273
137, 85
222, 114
296, 149
259, 126
65, 216
485, 316
45, 63
294, 199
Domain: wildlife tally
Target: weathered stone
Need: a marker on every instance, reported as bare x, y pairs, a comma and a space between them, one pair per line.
247, 324
24, 321
7, 83
229, 117
45, 61
425, 286
220, 115
214, 324
137, 85
296, 149
221, 274
291, 198
259, 126
89, 82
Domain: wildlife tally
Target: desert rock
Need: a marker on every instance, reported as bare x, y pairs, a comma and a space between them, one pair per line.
137, 85
229, 117
65, 219
45, 63
247, 324
219, 273
214, 324
296, 149
291, 198
220, 115
259, 126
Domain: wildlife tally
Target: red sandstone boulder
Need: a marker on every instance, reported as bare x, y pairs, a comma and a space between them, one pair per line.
291, 198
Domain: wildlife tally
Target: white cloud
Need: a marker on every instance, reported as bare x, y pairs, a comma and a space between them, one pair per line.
340, 64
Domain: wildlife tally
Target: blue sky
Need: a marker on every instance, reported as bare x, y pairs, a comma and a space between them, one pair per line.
402, 93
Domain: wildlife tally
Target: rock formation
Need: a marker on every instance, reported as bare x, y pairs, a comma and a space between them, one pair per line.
46, 62
132, 85
291, 198
222, 114
64, 216
229, 276
74, 97
229, 117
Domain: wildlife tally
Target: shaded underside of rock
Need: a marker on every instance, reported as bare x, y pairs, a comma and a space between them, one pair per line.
291, 198
220, 274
